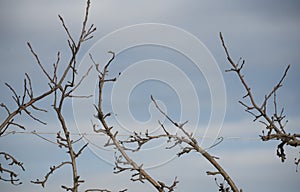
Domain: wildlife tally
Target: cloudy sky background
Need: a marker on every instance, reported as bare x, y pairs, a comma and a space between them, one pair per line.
266, 34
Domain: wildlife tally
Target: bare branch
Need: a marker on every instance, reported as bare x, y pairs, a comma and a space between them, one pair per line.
72, 46
193, 145
273, 122
5, 107
34, 118
123, 162
15, 96
39, 62
12, 175
80, 150
62, 90
52, 169
80, 81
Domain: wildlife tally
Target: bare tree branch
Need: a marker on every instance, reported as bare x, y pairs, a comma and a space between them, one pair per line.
194, 146
12, 175
273, 123
123, 161
62, 90
60, 96
52, 169
178, 140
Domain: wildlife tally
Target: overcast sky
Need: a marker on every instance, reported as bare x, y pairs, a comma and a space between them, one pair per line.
170, 49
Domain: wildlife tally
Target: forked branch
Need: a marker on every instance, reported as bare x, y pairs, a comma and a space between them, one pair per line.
274, 123
13, 177
192, 145
63, 90
123, 161
52, 169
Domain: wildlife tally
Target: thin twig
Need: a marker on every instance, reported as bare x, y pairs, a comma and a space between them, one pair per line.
123, 162
192, 142
272, 122
52, 169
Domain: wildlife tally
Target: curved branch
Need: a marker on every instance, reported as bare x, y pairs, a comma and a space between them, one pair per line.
12, 175
274, 124
141, 174
192, 142
52, 169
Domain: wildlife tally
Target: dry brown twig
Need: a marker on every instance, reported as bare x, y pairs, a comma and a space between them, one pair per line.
64, 91
26, 101
274, 123
178, 139
12, 175
192, 145
123, 161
